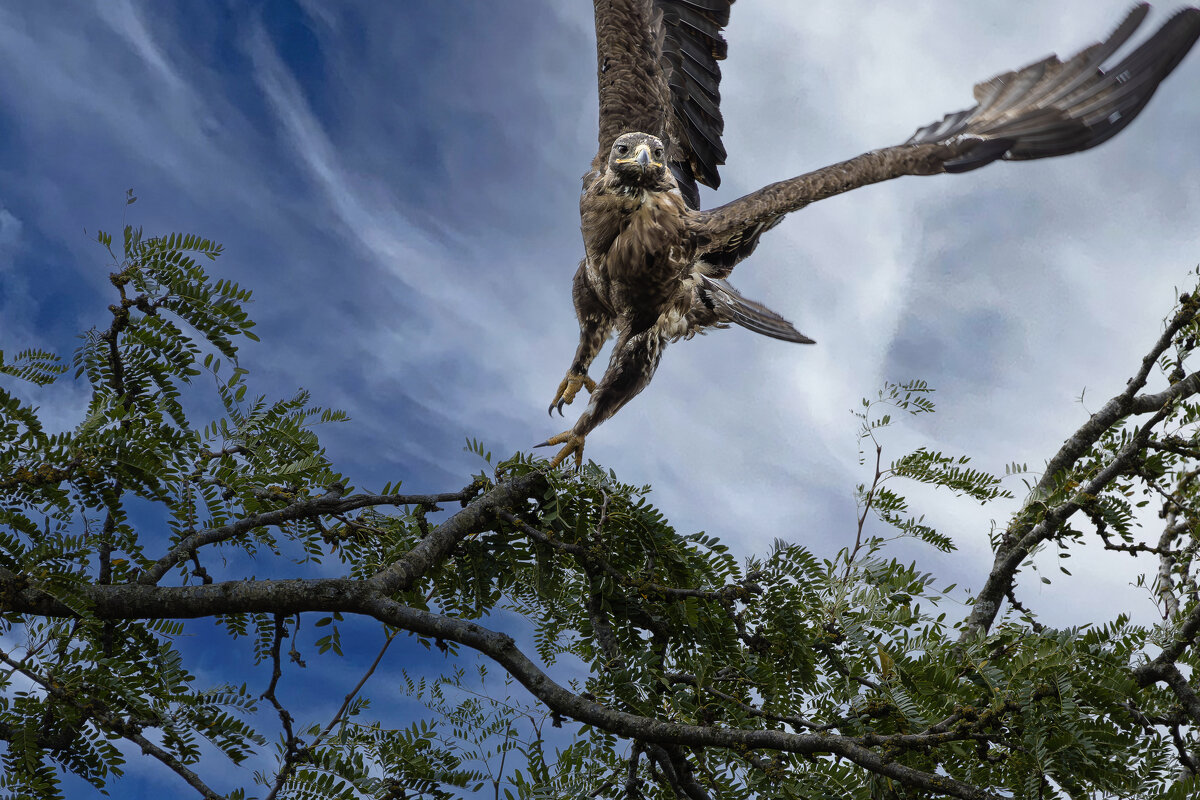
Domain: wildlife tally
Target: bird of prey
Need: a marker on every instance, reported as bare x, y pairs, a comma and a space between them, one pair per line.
655, 265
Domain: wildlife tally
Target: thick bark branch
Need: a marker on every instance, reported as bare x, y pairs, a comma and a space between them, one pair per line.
502, 649
478, 516
134, 601
1165, 583
1188, 631
367, 597
1169, 674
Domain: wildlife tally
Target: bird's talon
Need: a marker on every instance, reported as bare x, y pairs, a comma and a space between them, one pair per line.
568, 389
572, 444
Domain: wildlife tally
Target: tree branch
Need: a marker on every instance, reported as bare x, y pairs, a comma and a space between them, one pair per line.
293, 748
502, 649
478, 516
389, 637
174, 764
1125, 403
114, 722
1020, 540
330, 503
589, 560
366, 597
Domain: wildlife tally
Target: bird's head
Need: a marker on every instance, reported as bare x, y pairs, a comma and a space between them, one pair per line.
637, 159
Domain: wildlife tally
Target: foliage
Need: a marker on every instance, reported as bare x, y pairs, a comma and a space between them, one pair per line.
639, 661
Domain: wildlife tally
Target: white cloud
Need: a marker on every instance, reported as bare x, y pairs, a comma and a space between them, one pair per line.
16, 304
128, 23
10, 235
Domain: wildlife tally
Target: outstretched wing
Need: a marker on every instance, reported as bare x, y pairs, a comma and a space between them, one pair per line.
1052, 107
1046, 109
658, 73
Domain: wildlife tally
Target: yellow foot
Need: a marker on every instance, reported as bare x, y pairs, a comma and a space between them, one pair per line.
571, 444
568, 389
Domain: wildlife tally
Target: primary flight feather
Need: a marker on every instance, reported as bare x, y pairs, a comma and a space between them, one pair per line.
655, 265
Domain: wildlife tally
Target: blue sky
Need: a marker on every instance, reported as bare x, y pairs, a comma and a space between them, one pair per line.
398, 183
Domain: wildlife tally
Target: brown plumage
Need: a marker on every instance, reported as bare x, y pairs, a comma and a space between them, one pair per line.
655, 265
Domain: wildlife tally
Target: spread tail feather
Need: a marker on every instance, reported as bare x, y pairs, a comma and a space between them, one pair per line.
731, 306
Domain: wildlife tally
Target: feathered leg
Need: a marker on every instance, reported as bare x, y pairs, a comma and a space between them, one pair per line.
595, 325
633, 362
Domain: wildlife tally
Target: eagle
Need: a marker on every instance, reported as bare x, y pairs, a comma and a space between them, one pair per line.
655, 265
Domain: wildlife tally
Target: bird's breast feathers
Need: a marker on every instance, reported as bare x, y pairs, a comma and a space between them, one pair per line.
628, 228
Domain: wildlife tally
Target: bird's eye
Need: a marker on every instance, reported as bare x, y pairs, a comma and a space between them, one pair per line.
658, 152
622, 149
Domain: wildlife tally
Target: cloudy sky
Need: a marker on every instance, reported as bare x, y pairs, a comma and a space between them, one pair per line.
398, 183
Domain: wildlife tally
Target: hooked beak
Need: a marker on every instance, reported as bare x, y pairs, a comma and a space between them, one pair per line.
641, 157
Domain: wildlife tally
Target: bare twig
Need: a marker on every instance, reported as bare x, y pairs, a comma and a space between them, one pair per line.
389, 637
294, 749
866, 509
1011, 596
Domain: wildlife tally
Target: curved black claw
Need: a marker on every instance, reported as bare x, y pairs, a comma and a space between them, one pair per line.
567, 390
572, 445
